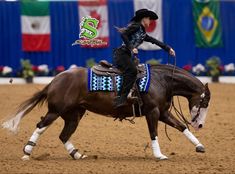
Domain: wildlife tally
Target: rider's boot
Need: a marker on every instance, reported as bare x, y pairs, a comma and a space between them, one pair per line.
120, 101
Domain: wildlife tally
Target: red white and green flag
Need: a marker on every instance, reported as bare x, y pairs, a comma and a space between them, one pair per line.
96, 9
35, 25
155, 29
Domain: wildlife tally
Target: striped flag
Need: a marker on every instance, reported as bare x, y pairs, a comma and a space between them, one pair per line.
96, 9
155, 28
35, 25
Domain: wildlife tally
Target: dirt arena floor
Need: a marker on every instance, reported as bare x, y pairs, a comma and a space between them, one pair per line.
114, 147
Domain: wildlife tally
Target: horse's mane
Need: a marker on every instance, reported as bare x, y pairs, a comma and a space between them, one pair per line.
177, 70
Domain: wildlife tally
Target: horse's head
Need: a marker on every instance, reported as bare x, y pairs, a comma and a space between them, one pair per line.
198, 106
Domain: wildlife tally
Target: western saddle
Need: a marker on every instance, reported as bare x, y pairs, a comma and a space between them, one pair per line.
105, 68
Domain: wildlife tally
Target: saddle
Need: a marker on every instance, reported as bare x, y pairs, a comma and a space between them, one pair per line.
105, 68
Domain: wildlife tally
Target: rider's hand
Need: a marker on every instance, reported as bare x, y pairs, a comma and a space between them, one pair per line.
172, 52
135, 51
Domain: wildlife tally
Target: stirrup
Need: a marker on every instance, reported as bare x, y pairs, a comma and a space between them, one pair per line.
132, 98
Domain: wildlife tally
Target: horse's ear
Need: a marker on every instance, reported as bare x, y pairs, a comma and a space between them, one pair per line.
206, 87
207, 91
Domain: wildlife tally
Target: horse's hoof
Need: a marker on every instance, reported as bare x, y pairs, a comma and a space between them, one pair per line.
200, 148
163, 157
25, 158
78, 156
83, 156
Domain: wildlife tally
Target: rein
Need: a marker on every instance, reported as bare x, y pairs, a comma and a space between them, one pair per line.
179, 113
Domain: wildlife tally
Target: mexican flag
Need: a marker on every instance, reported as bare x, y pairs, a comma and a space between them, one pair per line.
155, 29
207, 25
96, 9
35, 25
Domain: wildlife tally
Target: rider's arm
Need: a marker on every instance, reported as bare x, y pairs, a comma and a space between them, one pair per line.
132, 28
157, 42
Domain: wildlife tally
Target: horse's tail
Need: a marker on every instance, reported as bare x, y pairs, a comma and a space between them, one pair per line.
24, 108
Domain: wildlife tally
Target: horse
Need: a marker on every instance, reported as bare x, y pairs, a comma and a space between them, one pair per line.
68, 97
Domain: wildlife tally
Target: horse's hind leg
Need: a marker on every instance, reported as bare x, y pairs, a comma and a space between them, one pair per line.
41, 127
71, 120
169, 119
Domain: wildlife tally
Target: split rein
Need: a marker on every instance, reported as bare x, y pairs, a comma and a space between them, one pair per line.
178, 112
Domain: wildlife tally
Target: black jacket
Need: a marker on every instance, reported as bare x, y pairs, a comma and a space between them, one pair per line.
135, 34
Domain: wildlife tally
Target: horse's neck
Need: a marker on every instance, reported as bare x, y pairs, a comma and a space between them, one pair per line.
185, 85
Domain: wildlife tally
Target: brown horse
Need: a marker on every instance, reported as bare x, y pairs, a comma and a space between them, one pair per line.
67, 96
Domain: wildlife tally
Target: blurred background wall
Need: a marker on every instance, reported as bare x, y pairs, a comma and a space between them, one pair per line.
178, 32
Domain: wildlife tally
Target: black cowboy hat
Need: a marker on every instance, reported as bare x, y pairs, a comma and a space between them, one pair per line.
140, 14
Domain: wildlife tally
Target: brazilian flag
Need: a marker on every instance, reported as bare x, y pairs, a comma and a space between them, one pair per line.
208, 32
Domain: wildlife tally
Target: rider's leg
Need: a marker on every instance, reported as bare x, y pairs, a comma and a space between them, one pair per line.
125, 63
129, 78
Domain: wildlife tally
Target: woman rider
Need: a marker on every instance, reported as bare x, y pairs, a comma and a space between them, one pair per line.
133, 35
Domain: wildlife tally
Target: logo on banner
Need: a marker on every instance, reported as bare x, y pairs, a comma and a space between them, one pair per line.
207, 23
89, 32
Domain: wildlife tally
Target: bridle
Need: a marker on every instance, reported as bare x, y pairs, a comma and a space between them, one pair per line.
179, 113
202, 104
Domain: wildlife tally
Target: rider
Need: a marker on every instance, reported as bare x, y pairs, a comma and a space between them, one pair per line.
133, 35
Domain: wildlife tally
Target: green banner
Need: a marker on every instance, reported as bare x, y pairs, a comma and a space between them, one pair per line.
208, 32
34, 8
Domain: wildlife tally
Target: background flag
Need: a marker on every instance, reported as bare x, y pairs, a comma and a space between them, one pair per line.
207, 24
35, 25
155, 28
96, 9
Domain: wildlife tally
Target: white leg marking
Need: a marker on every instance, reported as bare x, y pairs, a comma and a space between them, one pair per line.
192, 138
69, 147
156, 150
28, 148
36, 134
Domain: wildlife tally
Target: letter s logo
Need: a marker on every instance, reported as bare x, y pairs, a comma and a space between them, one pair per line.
88, 28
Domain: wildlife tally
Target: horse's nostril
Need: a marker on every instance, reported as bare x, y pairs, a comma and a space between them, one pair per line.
200, 126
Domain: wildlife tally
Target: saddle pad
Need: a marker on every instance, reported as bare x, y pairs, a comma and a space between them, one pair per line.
105, 83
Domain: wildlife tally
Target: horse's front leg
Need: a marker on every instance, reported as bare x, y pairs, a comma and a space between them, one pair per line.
169, 119
152, 121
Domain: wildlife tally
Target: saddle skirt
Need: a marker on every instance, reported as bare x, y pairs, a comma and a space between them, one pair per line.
105, 77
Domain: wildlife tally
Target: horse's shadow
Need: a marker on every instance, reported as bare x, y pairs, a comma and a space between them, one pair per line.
48, 157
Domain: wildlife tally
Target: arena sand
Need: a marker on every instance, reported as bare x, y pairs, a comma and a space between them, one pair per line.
119, 147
